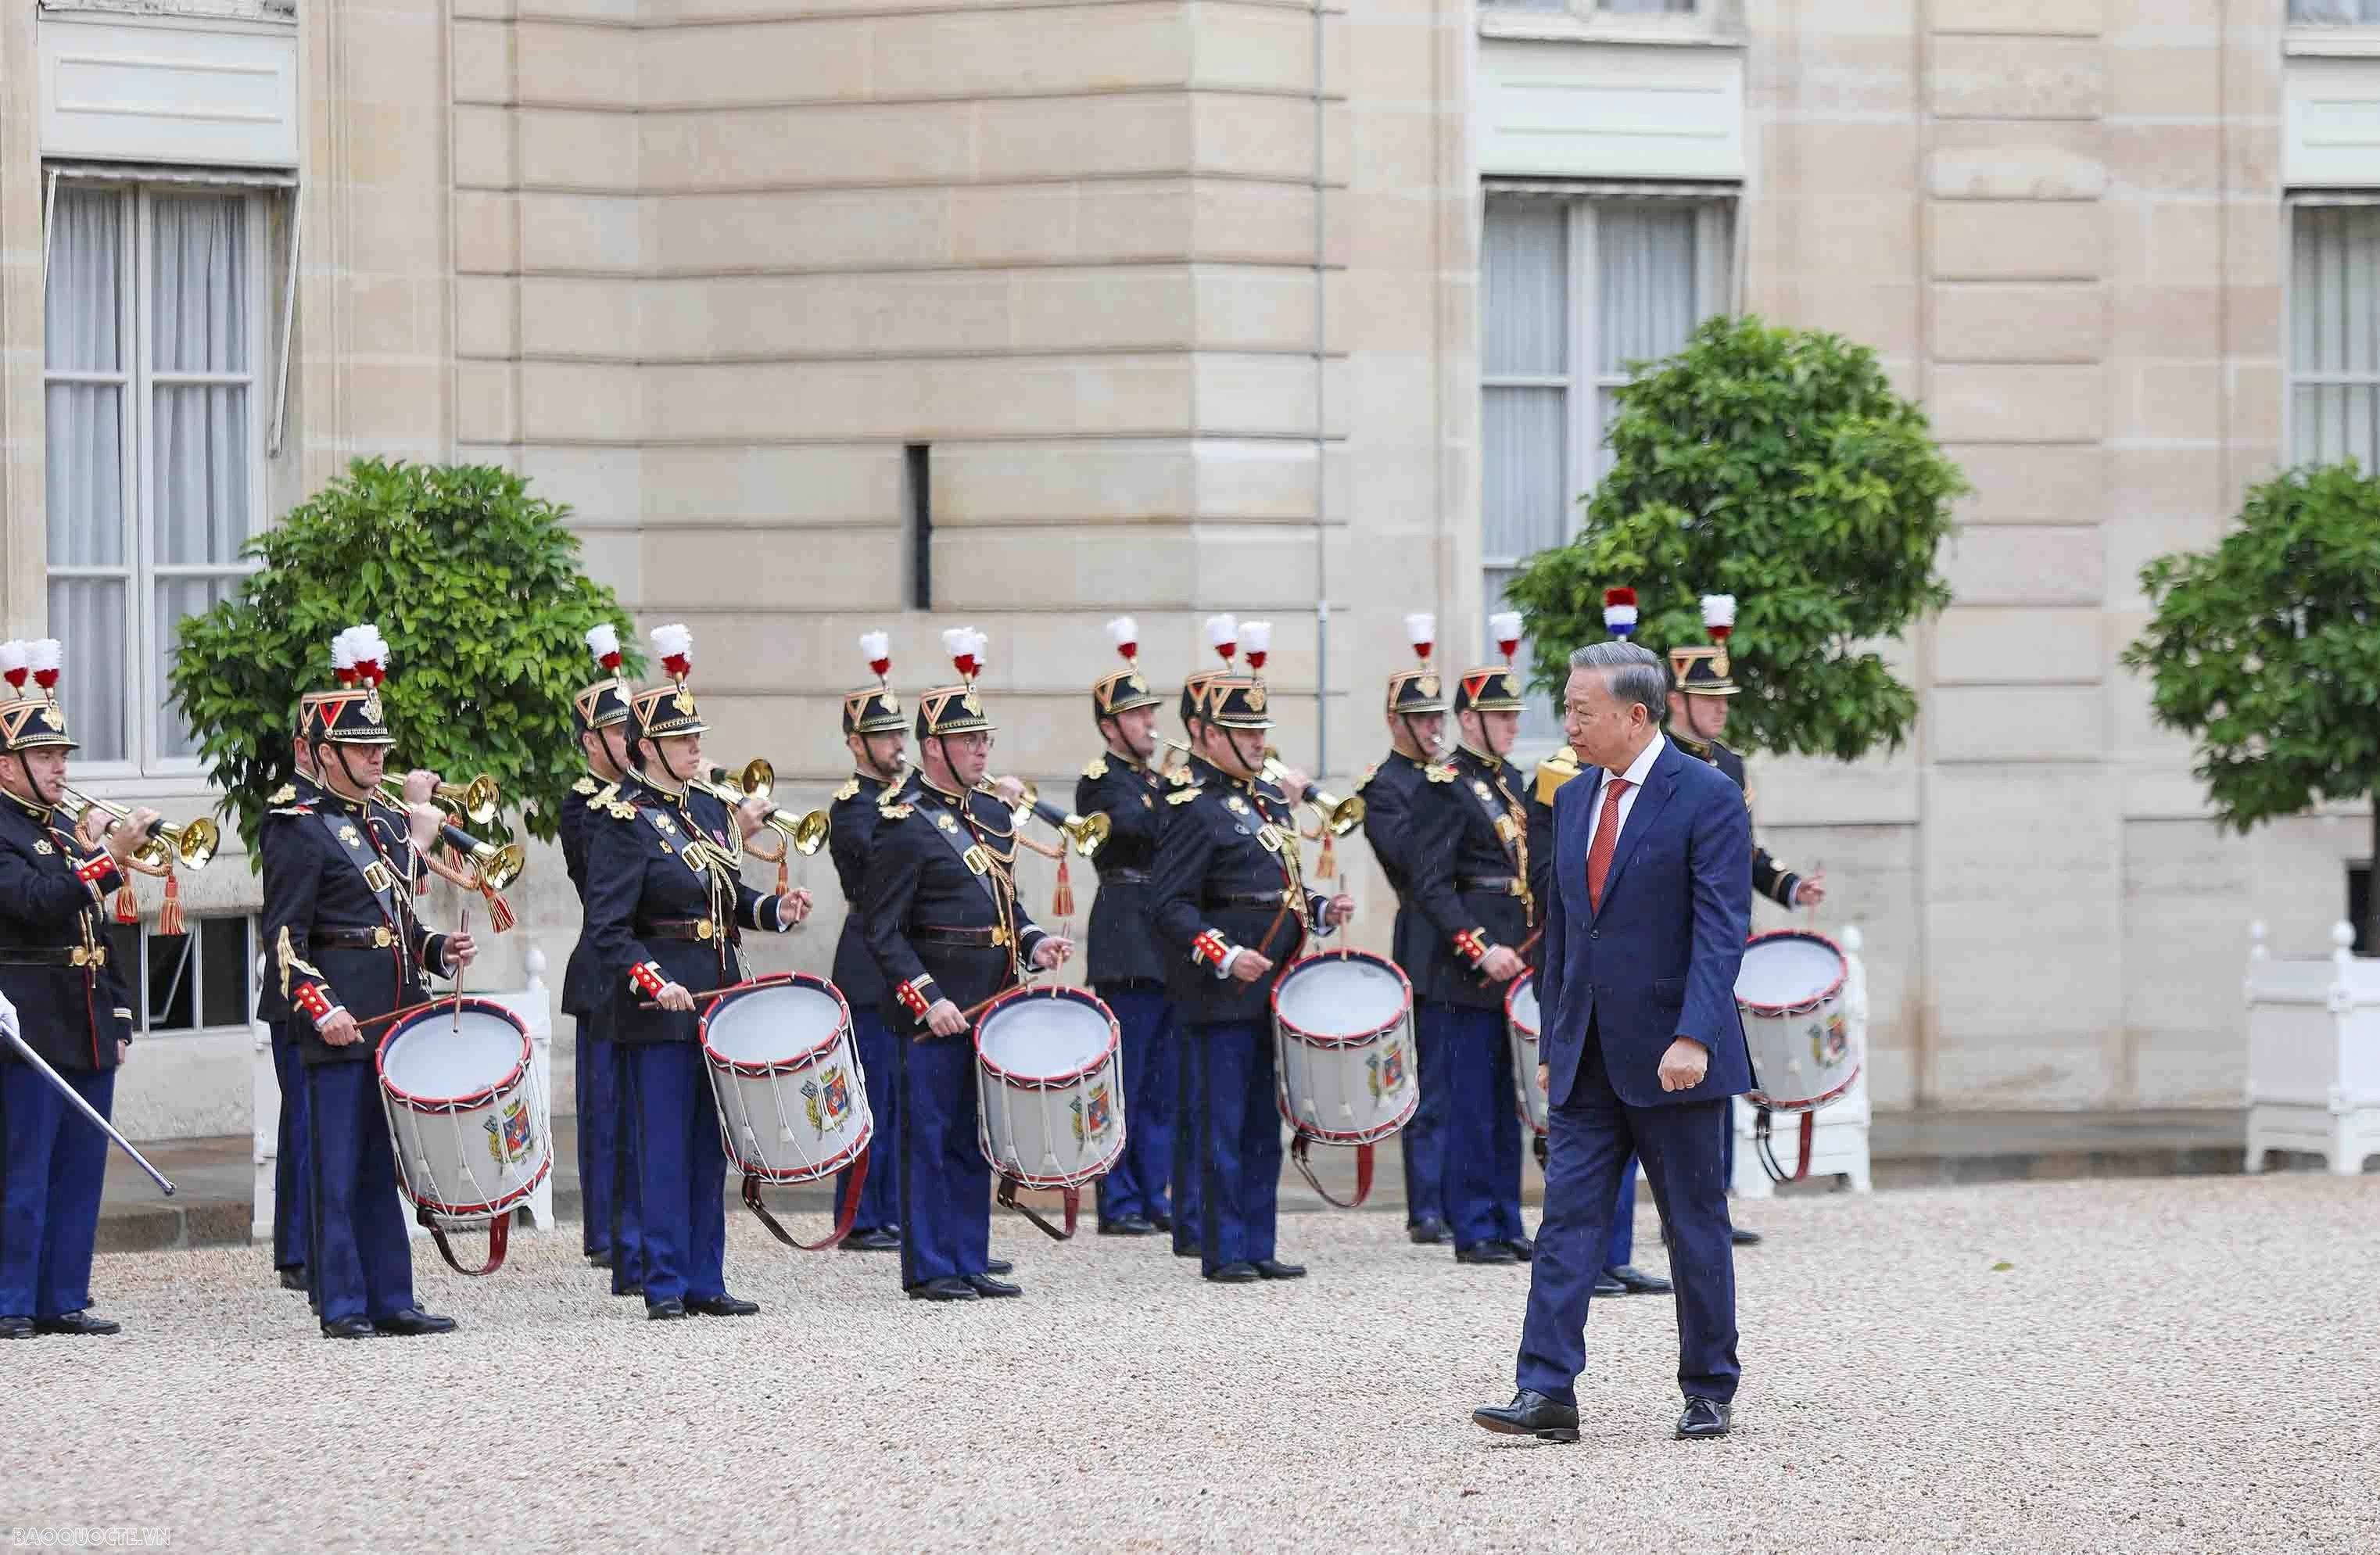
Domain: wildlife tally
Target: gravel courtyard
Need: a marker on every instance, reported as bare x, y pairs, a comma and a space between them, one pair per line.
2160, 1365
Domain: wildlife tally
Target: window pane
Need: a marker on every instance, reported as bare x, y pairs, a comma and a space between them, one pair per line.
2336, 422
1526, 497
86, 617
84, 442
200, 472
2334, 330
1524, 272
175, 598
2335, 10
1645, 262
199, 285
223, 957
85, 313
173, 992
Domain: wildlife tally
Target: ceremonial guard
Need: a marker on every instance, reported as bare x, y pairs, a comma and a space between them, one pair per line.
1232, 907
666, 905
876, 731
1472, 887
949, 934
1125, 970
346, 948
607, 1178
292, 1181
1396, 810
71, 1009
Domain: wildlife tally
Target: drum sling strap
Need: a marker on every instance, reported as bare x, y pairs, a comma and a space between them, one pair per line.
1010, 1187
1768, 1162
500, 1230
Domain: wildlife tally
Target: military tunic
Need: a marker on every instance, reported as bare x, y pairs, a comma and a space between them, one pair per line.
292, 1178
606, 1176
851, 842
1396, 810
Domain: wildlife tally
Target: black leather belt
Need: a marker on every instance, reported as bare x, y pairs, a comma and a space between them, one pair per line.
701, 928
1494, 885
1121, 876
991, 938
378, 937
1246, 899
53, 955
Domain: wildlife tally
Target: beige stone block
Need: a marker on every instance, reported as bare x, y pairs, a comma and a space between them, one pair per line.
2045, 1063
602, 231
379, 139
1256, 395
2171, 243
1837, 71
813, 145
796, 483
1264, 224
1829, 158
599, 484
682, 566
2169, 401
2153, 482
2254, 413
1136, 307
1273, 137
1263, 48
2251, 320
483, 61
581, 402
2030, 483
1990, 403
486, 233
485, 405
397, 404
1082, 137
2052, 322
613, 558
593, 318
2041, 17
809, 58
2018, 240
381, 314
1264, 481
487, 316
2168, 322
1129, 220
393, 56
1108, 395
1880, 314
2148, 80
2001, 646
2017, 160
2167, 159
1128, 45
1997, 723
804, 229
578, 67
2135, 540
2013, 566
764, 317
1269, 310
573, 149
1380, 60
1109, 482
2018, 77
986, 569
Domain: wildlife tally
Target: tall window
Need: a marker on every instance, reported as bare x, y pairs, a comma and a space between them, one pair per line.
2335, 12
199, 981
1573, 289
2334, 334
154, 443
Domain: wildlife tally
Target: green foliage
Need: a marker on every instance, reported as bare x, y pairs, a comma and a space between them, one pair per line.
1778, 466
475, 584
2267, 648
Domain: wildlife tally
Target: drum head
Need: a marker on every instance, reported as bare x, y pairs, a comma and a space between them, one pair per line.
1521, 1007
1043, 1038
442, 1057
1785, 970
1335, 996
771, 1025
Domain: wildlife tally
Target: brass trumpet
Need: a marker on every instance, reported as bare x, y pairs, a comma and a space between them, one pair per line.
1087, 832
495, 866
193, 843
1342, 815
477, 801
758, 781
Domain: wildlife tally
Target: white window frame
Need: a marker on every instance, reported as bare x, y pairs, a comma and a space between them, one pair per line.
141, 571
194, 967
2292, 378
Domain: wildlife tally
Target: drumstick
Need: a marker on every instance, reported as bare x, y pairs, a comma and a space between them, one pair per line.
1817, 867
465, 930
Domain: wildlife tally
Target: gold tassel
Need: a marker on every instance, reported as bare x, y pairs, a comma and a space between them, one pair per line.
169, 917
1061, 903
1326, 866
421, 874
128, 906
500, 912
784, 874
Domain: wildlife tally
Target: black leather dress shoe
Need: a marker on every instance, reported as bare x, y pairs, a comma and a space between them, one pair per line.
1242, 1274
1637, 1282
413, 1321
599, 1260
1188, 1250
997, 1266
1523, 1248
629, 1290
1128, 1225
668, 1311
77, 1322
1274, 1269
1428, 1233
724, 1307
946, 1287
347, 1328
1605, 1285
1703, 1419
293, 1278
1161, 1221
879, 1240
1486, 1252
986, 1287
1529, 1414
1746, 1238
16, 1326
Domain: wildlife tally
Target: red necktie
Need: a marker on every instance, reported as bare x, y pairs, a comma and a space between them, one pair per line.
1607, 838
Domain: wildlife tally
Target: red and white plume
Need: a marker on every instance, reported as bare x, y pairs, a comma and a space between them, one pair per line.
675, 644
1223, 636
877, 648
1620, 611
604, 641
372, 655
343, 657
1505, 627
46, 655
1422, 632
979, 649
1256, 640
965, 645
12, 665
1125, 632
1719, 615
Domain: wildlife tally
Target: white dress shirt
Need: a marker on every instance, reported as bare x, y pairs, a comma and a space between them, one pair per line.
1638, 771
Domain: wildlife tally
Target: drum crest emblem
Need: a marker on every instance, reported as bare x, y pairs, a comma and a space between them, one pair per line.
827, 1099
509, 1136
1384, 1070
1828, 1042
1093, 1116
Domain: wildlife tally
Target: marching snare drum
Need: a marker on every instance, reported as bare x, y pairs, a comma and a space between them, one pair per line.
1048, 1093
466, 1118
1790, 990
1521, 1028
793, 1100
1344, 1071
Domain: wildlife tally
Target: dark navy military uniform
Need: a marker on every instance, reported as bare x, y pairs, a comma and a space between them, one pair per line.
942, 927
72, 1010
293, 1234
1397, 808
1769, 877
851, 841
666, 904
1226, 868
607, 1178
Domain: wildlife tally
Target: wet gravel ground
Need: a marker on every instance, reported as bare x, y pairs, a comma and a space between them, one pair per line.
2122, 1365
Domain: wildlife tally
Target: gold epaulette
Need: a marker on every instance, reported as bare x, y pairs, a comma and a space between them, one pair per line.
585, 785
282, 795
1096, 768
1440, 771
1369, 773
1181, 796
896, 811
1178, 776
1555, 771
620, 809
294, 809
850, 790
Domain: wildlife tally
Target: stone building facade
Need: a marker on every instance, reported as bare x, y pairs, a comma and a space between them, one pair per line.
832, 314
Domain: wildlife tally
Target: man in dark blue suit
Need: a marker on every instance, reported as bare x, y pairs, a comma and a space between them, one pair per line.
1644, 930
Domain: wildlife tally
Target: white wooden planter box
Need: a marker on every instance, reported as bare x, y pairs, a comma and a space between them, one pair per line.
2313, 1055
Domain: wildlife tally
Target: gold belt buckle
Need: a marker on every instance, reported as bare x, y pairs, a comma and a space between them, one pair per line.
703, 930
81, 957
382, 938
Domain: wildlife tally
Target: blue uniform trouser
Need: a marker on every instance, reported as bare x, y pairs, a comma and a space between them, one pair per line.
1189, 1111
597, 1091
945, 1182
1137, 1184
1482, 1181
293, 1183
1422, 1142
681, 1171
1239, 1142
363, 1267
1589, 1139
625, 1228
54, 1168
880, 1197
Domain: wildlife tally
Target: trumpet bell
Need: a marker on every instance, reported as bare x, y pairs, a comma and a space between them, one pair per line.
1342, 815
758, 779
499, 866
480, 798
809, 833
196, 841
1089, 833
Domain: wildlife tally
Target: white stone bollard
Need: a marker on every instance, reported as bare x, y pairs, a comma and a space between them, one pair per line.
2313, 1055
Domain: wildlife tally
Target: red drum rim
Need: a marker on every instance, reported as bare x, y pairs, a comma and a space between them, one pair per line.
789, 1174
1759, 1098
763, 1069
1048, 1082
1046, 1183
438, 1105
1529, 980
493, 1206
1803, 1006
1347, 1040
1371, 1135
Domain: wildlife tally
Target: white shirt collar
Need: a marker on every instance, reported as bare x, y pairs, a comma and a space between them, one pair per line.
1642, 767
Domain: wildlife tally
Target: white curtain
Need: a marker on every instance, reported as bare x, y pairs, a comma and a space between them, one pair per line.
2334, 334
1525, 412
2334, 11
86, 363
1645, 297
